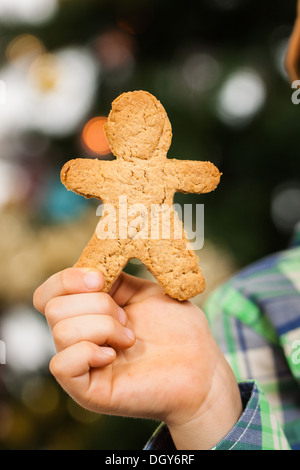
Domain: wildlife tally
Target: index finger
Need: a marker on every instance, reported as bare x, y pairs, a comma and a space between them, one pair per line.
68, 281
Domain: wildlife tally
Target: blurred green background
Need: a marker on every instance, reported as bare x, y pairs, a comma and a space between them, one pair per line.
217, 66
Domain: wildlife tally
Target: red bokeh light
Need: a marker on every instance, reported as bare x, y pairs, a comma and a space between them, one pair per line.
93, 137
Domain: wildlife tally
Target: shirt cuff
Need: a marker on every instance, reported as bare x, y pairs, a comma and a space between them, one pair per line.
257, 428
245, 434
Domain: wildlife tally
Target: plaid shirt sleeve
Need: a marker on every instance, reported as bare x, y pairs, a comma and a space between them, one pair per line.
255, 318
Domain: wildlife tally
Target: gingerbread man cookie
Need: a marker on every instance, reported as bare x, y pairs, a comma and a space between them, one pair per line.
138, 184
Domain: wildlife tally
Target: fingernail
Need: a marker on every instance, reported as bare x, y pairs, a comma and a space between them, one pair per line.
93, 280
129, 333
122, 316
108, 351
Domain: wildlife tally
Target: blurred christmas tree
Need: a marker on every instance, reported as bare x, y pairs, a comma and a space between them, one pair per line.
217, 67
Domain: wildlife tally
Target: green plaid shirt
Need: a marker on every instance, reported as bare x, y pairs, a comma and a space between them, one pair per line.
255, 318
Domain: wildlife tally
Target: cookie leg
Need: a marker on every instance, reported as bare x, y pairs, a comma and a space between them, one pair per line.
109, 256
175, 267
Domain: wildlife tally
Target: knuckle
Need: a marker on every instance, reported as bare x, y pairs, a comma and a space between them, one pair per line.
56, 366
64, 279
109, 324
51, 309
61, 334
36, 300
105, 302
88, 347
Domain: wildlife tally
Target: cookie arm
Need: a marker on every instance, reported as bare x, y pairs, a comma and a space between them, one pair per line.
85, 176
193, 176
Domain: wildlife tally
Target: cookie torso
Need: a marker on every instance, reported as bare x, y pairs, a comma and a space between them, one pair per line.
141, 181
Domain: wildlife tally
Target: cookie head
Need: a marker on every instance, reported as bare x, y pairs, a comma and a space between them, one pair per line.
138, 127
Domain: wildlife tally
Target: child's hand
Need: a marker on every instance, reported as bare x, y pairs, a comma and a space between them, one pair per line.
136, 352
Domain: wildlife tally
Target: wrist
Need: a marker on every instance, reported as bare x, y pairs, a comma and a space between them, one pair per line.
214, 419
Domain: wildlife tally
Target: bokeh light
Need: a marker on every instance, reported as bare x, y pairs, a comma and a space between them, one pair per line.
115, 49
52, 96
40, 394
279, 53
285, 206
14, 183
200, 71
23, 49
94, 138
241, 97
29, 344
27, 11
45, 73
58, 205
80, 414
